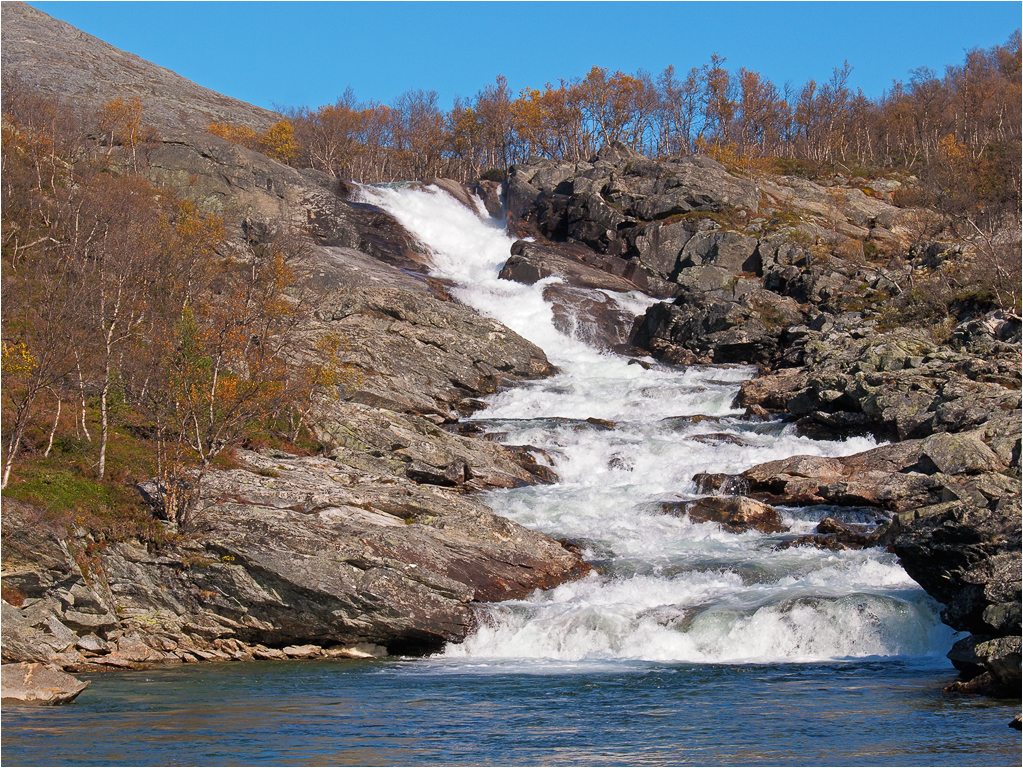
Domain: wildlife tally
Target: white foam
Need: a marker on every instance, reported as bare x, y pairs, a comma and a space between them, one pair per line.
671, 589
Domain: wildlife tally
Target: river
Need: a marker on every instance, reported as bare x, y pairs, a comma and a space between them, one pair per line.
687, 645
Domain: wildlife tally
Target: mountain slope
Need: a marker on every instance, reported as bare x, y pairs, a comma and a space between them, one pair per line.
85, 71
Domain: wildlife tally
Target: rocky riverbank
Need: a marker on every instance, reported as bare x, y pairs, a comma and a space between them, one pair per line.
377, 546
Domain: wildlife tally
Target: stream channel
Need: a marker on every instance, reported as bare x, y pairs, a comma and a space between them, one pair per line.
687, 645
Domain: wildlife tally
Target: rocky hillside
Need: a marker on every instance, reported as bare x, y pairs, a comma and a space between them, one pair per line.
376, 547
86, 72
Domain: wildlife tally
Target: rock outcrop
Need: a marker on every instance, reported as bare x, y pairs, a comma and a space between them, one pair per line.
968, 557
38, 684
289, 552
896, 383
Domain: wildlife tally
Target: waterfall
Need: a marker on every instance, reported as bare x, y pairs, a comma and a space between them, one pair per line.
665, 588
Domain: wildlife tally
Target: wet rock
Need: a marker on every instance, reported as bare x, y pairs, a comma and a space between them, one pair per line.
268, 654
133, 649
358, 651
969, 559
32, 683
578, 266
492, 196
735, 513
836, 536
457, 190
719, 482
771, 392
590, 316
988, 665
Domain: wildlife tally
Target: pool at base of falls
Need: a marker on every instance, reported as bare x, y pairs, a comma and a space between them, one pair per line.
519, 712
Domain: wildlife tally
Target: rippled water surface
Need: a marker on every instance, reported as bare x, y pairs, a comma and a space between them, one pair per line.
438, 712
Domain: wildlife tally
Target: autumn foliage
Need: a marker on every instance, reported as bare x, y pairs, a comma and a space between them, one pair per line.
958, 132
277, 141
124, 306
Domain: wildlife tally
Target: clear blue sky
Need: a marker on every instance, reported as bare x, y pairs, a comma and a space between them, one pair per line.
307, 53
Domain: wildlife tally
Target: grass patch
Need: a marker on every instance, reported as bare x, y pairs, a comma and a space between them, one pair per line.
65, 487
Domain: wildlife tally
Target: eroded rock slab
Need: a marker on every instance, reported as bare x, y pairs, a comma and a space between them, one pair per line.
290, 552
32, 683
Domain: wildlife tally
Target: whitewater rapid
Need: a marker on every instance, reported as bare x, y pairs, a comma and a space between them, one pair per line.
665, 588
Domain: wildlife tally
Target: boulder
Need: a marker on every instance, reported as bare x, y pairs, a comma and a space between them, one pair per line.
968, 558
898, 384
591, 316
650, 191
658, 246
735, 514
704, 326
579, 267
31, 683
730, 251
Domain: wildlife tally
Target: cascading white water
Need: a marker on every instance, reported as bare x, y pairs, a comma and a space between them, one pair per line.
667, 588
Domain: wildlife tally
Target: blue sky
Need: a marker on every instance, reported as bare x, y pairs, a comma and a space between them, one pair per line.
307, 53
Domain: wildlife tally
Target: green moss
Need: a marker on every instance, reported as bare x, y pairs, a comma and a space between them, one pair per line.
65, 486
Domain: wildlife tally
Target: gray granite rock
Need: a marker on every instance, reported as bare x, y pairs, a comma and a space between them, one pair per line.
31, 683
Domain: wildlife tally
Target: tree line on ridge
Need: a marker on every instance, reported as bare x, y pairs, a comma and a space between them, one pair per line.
959, 132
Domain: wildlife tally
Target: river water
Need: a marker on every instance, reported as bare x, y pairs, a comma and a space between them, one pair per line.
688, 645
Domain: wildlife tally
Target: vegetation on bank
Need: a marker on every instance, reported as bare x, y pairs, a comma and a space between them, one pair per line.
140, 341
